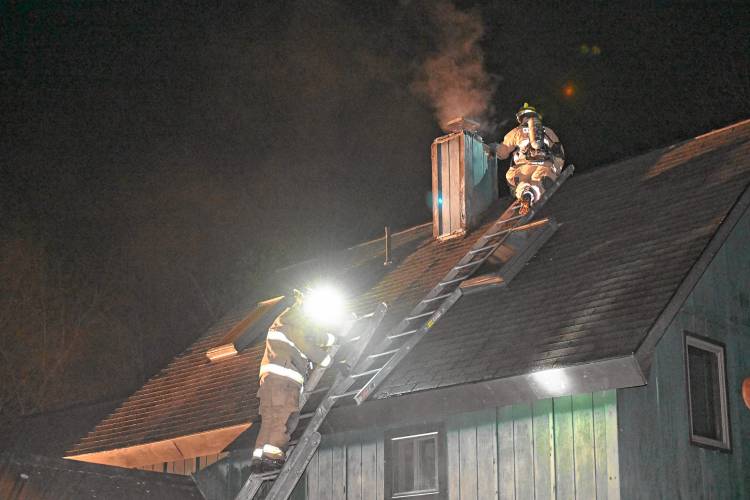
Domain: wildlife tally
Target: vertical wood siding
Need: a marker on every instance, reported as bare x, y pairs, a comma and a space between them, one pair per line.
562, 448
657, 459
551, 449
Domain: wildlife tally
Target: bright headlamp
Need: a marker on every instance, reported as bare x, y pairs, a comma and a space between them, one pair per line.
324, 305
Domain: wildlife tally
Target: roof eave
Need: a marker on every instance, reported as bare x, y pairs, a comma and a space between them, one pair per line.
167, 450
433, 404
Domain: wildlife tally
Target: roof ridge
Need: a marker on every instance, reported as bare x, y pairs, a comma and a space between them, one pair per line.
666, 148
722, 129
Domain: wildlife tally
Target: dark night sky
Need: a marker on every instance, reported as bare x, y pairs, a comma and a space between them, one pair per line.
172, 154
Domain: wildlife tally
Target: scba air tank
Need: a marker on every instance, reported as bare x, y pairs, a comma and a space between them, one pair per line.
536, 133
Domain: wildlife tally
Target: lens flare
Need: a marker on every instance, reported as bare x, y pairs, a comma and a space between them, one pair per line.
324, 305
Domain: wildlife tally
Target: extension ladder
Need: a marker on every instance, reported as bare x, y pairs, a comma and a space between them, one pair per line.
302, 451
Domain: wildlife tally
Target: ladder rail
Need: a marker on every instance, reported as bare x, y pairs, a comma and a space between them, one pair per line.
317, 374
287, 478
386, 369
401, 328
312, 382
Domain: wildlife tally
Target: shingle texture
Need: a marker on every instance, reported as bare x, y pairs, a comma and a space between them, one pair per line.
190, 395
629, 233
41, 478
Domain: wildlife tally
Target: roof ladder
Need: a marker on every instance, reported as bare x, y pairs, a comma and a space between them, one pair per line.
442, 297
286, 479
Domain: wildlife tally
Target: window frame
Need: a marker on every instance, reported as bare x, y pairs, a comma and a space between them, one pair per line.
719, 350
414, 431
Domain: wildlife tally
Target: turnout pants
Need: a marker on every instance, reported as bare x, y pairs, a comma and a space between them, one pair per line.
534, 176
279, 411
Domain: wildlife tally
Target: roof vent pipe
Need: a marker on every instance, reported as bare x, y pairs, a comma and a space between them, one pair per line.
388, 260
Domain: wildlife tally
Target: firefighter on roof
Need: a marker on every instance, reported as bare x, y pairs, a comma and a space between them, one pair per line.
538, 157
293, 343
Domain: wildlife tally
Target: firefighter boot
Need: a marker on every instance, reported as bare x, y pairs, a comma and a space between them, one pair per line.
270, 464
527, 197
265, 464
267, 459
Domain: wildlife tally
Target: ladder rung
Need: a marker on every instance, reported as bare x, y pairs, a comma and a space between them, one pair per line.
498, 233
304, 416
455, 280
421, 315
364, 374
511, 219
345, 395
381, 354
265, 476
481, 249
433, 299
402, 334
464, 266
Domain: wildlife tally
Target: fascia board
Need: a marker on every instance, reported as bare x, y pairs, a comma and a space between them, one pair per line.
426, 405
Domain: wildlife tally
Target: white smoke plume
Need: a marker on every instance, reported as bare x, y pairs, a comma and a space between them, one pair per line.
454, 79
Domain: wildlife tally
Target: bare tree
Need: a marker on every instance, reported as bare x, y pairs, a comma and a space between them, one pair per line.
51, 322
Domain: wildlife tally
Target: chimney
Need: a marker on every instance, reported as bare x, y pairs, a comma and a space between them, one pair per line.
464, 179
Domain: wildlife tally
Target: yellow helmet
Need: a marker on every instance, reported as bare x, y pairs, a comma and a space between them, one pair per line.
526, 111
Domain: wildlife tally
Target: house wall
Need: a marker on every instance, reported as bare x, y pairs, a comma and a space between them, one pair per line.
560, 448
657, 459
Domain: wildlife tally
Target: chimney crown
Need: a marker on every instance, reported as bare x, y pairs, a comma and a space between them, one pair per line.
461, 123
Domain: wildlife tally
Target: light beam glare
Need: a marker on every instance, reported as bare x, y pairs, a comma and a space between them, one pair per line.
554, 381
324, 305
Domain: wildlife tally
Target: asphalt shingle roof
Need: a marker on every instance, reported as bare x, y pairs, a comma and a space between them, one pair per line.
628, 234
39, 478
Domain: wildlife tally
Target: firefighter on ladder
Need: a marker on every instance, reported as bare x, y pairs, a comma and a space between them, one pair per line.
538, 157
293, 344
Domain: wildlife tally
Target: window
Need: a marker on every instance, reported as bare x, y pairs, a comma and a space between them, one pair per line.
707, 392
415, 461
